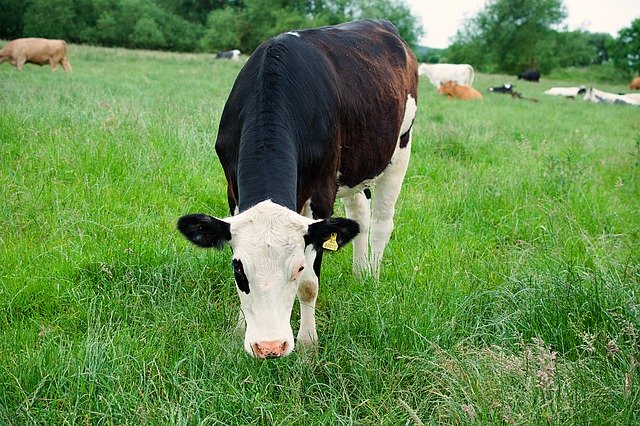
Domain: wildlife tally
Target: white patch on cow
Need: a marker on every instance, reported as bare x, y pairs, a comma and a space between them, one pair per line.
376, 217
383, 204
306, 209
410, 110
269, 241
347, 191
293, 33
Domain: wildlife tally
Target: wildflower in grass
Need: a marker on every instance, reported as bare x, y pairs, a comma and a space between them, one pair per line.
589, 340
469, 410
546, 365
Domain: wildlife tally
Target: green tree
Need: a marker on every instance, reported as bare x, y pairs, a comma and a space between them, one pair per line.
11, 18
195, 11
397, 12
582, 48
510, 35
222, 31
39, 21
244, 25
147, 34
142, 23
626, 49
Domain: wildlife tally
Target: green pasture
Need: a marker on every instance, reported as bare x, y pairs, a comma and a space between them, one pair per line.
508, 293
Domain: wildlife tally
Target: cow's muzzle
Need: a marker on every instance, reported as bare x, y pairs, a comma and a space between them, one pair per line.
270, 349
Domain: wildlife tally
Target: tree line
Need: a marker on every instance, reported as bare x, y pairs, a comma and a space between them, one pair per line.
505, 36
190, 25
512, 35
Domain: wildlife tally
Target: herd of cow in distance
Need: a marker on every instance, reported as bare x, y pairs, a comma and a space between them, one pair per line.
286, 165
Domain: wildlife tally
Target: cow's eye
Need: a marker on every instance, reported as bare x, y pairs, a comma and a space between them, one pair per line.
299, 272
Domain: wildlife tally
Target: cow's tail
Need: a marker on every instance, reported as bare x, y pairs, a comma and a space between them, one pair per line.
472, 76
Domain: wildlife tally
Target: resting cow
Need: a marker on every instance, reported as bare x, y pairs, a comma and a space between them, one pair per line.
505, 88
632, 96
567, 92
530, 75
635, 84
39, 51
451, 89
439, 73
313, 115
598, 96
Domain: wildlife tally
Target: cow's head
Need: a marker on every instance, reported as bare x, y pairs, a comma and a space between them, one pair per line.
274, 250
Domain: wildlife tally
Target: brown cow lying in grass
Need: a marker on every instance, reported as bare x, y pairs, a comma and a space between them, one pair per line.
451, 89
39, 51
635, 84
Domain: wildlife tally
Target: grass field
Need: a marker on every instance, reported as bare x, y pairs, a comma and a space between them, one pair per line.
508, 293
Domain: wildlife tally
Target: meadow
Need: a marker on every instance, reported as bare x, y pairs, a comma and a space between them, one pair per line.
508, 292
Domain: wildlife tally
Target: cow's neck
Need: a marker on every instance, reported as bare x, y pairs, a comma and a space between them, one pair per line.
267, 169
268, 157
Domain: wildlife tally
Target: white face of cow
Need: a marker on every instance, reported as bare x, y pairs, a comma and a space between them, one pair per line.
273, 252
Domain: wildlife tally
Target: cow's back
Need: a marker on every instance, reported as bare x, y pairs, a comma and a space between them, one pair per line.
375, 71
339, 91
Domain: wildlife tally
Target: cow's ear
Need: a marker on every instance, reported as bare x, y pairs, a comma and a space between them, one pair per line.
205, 231
331, 233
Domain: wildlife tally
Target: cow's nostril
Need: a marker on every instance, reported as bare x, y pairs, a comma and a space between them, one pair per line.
270, 349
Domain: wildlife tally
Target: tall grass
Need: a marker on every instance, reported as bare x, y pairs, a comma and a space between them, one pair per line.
508, 292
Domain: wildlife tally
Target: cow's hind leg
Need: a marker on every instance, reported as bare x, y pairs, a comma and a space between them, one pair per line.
386, 194
65, 64
357, 208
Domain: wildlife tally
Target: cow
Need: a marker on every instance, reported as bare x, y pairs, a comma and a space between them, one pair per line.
598, 96
530, 75
567, 92
440, 73
234, 55
505, 88
313, 115
39, 51
632, 96
451, 89
635, 84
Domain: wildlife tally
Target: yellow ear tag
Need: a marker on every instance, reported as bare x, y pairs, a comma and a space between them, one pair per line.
331, 243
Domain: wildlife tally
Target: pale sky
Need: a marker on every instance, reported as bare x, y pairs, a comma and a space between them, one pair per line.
442, 18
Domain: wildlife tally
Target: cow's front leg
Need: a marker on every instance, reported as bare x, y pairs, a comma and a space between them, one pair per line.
307, 295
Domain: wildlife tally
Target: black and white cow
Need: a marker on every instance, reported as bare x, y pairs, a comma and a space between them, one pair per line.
313, 115
505, 88
234, 55
598, 96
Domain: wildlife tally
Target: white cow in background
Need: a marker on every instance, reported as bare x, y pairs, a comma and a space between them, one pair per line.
632, 96
598, 96
568, 92
463, 74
